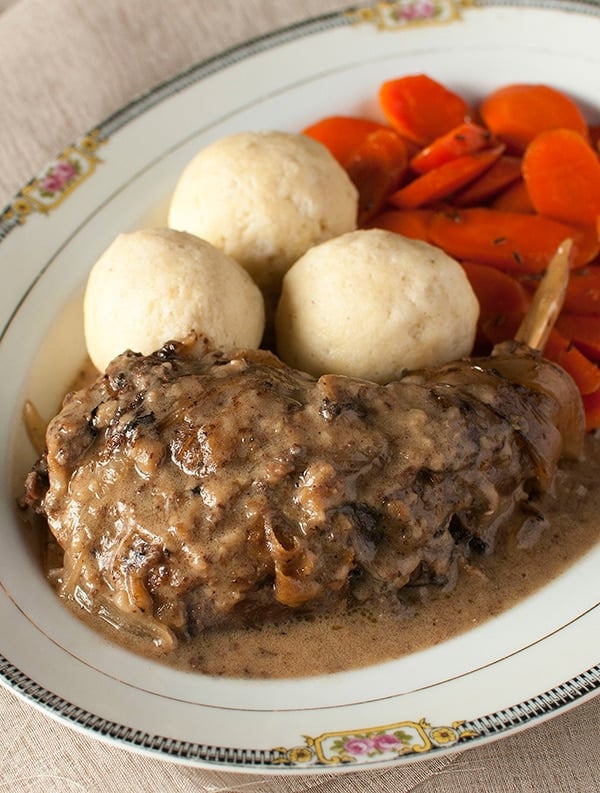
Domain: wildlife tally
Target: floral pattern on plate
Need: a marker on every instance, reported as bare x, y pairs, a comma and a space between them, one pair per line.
375, 744
403, 13
78, 161
57, 180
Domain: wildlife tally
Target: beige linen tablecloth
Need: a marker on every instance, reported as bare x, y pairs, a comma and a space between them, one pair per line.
65, 65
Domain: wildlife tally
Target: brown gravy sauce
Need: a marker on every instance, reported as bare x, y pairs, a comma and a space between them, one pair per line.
484, 587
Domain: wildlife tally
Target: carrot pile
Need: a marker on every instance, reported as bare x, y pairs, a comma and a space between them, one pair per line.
498, 185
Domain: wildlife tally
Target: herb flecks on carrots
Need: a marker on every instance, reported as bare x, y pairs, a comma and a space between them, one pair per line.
466, 138
584, 332
498, 185
444, 180
508, 240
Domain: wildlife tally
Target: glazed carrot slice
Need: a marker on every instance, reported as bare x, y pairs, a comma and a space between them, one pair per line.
503, 302
466, 138
591, 406
342, 134
420, 108
413, 223
443, 181
503, 172
516, 113
509, 240
562, 174
584, 332
497, 291
583, 291
376, 168
563, 352
514, 198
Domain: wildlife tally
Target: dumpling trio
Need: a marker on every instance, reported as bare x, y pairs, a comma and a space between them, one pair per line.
262, 234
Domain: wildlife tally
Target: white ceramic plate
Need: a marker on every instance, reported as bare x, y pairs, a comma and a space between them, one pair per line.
530, 663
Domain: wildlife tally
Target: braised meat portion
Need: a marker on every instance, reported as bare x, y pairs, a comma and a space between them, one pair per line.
193, 488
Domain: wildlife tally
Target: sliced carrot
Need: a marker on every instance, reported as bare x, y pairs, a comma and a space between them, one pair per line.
501, 327
497, 291
443, 181
516, 113
583, 291
413, 223
514, 198
563, 352
591, 406
505, 171
503, 302
420, 108
376, 168
562, 174
584, 332
509, 240
342, 134
466, 138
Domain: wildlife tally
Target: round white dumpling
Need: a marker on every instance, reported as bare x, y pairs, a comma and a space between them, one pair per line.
156, 285
264, 198
372, 304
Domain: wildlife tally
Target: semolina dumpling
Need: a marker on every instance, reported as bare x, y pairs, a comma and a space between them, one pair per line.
264, 198
373, 304
156, 285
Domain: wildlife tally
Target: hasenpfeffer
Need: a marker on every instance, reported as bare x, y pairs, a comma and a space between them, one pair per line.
192, 488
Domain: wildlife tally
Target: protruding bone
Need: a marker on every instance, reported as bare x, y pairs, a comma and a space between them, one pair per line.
547, 301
